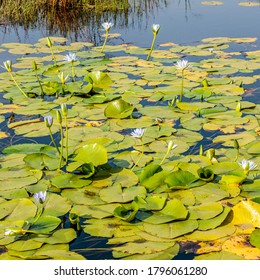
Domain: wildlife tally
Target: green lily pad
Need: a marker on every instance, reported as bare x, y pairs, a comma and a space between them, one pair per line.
118, 194
171, 230
180, 179
92, 153
205, 211
118, 109
70, 181
255, 238
45, 224
214, 222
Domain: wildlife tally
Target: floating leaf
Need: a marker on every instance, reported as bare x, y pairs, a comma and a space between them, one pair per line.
180, 179
255, 238
118, 194
246, 212
171, 230
92, 153
205, 211
45, 224
66, 181
118, 109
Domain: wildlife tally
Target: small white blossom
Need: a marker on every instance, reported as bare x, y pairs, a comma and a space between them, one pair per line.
48, 121
9, 232
138, 133
70, 57
107, 25
247, 164
156, 28
182, 64
40, 196
171, 145
62, 78
211, 50
8, 65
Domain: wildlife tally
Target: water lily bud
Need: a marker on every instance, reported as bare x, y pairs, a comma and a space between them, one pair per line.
205, 83
59, 117
49, 42
201, 150
13, 231
48, 121
156, 28
238, 107
40, 196
8, 65
34, 66
210, 153
62, 78
64, 109
236, 145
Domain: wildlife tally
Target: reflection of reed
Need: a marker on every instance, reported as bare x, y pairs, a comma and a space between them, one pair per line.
76, 19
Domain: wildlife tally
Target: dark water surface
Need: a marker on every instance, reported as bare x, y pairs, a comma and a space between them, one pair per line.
182, 21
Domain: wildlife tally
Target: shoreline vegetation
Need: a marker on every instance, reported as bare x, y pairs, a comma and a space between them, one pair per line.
74, 18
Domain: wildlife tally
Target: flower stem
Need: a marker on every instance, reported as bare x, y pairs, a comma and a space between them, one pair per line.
167, 153
67, 140
102, 50
62, 140
182, 84
42, 92
53, 56
142, 153
152, 46
18, 85
72, 71
52, 139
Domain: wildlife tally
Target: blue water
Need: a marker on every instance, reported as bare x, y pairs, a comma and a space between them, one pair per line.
182, 21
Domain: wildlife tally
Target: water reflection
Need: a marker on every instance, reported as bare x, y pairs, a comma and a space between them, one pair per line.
78, 23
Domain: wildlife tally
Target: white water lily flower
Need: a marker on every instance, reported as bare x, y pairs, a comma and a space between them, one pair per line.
247, 164
40, 196
8, 65
70, 57
62, 78
107, 25
182, 64
211, 50
138, 133
156, 28
171, 145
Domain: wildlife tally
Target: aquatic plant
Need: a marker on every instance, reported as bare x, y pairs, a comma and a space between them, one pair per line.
35, 68
71, 57
138, 133
50, 45
8, 67
118, 120
48, 122
107, 26
40, 196
155, 30
182, 65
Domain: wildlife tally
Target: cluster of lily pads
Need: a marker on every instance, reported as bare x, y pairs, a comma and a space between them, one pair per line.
157, 154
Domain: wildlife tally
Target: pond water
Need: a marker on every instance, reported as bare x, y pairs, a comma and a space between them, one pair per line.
182, 22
